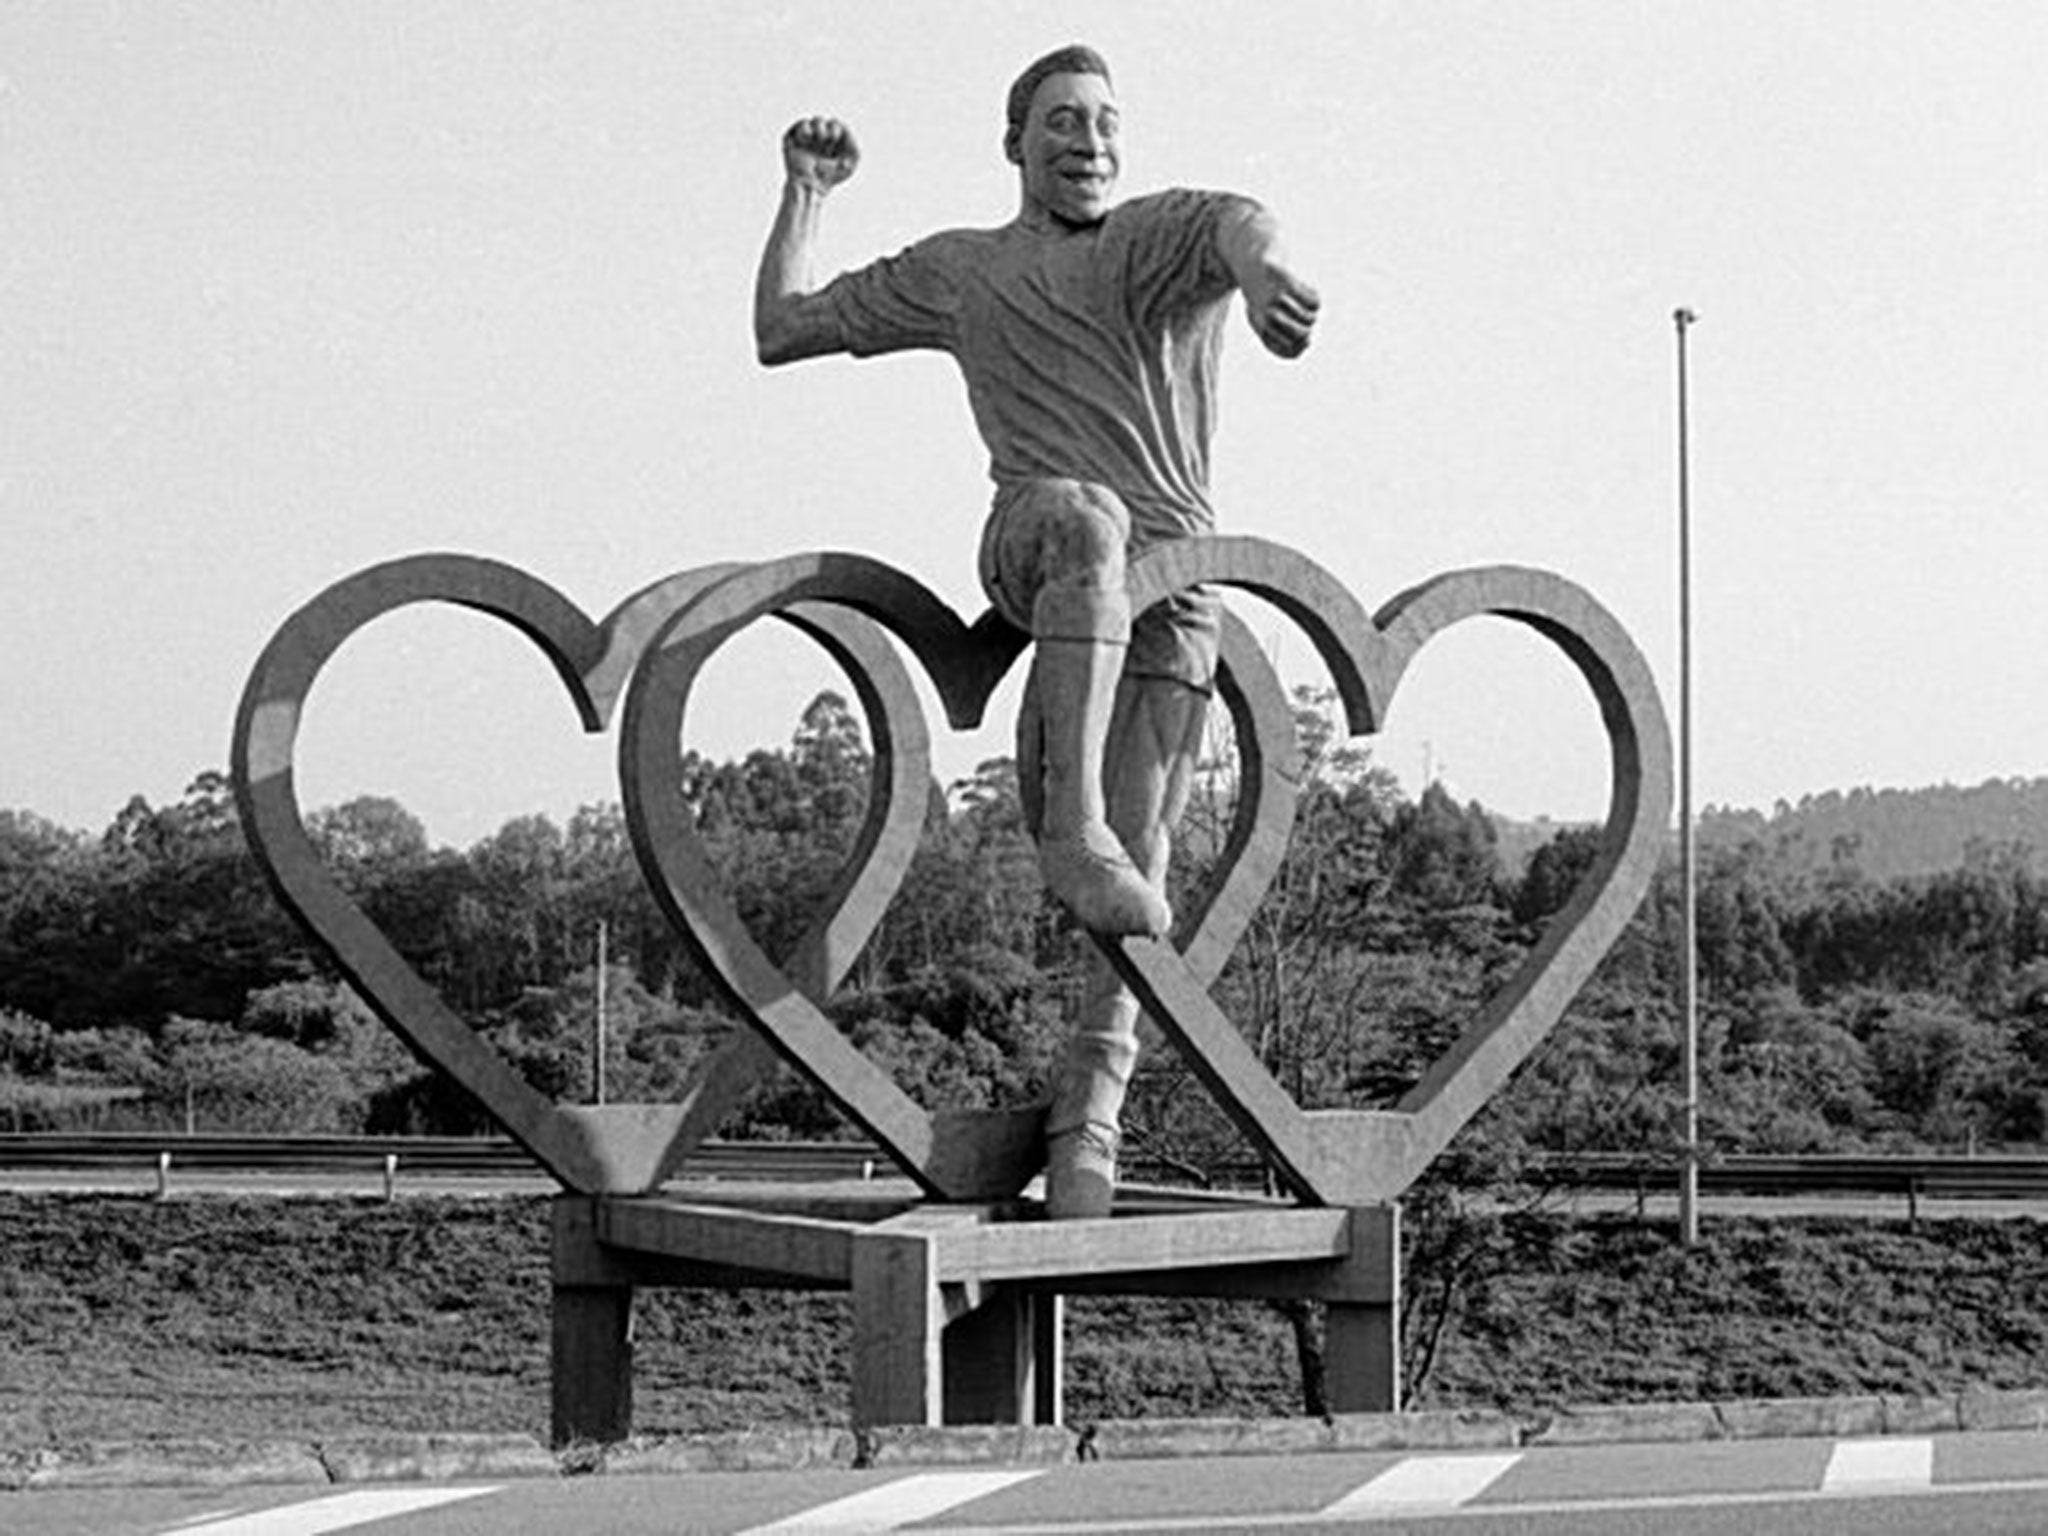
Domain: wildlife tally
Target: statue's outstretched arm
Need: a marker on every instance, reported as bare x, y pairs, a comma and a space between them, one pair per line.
818, 153
1280, 305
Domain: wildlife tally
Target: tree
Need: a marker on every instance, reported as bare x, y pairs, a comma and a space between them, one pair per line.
604, 891
367, 841
1742, 948
519, 874
25, 1045
328, 1020
1942, 1075
1440, 857
651, 1044
974, 883
779, 826
1554, 872
217, 1078
1791, 1080
980, 1031
175, 918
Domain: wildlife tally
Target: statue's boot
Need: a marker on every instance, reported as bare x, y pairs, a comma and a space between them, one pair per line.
1080, 1171
1082, 1125
1080, 635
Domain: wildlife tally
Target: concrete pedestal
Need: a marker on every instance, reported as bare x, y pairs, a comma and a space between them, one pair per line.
957, 1315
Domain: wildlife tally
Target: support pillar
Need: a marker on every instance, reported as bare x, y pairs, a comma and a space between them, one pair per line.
1362, 1341
898, 1321
1002, 1359
591, 1337
592, 1364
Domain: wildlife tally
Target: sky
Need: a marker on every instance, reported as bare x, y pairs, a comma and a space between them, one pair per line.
290, 290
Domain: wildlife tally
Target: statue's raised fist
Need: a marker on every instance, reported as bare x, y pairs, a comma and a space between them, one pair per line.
819, 152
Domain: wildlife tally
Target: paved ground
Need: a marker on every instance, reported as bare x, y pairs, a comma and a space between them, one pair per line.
1979, 1461
1955, 1483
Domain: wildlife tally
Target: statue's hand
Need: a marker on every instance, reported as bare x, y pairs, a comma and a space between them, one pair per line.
1282, 309
819, 153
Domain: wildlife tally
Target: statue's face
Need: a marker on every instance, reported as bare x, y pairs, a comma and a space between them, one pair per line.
1068, 152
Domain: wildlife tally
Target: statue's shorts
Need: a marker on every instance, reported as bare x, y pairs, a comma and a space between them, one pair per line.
1175, 639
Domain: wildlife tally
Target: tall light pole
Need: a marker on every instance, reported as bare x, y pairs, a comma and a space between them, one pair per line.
1688, 961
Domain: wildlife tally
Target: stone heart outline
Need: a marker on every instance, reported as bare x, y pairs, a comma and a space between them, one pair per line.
617, 1148
951, 1155
1368, 1157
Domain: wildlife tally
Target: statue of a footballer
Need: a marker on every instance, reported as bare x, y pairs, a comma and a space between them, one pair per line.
1088, 333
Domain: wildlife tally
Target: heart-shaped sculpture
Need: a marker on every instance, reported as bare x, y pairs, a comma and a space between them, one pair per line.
1328, 1156
618, 1148
1353, 1157
671, 628
955, 1155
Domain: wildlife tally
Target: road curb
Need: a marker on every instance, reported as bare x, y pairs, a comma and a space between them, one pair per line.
1802, 1418
1156, 1439
909, 1445
747, 1450
2003, 1410
1927, 1415
169, 1464
1623, 1423
374, 1457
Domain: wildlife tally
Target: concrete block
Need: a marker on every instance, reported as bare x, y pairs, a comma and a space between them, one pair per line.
910, 1445
1988, 1409
1793, 1418
427, 1458
1436, 1429
1147, 1439
1623, 1423
752, 1450
18, 1465
1921, 1415
175, 1463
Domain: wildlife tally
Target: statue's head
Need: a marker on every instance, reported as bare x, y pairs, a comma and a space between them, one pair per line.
1062, 135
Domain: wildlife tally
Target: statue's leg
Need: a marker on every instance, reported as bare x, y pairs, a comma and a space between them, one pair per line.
1054, 557
1154, 744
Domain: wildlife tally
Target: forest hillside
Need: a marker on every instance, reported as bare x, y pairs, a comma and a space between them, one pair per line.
1888, 833
1873, 966
1884, 833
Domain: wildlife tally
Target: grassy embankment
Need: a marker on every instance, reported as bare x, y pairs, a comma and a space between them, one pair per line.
122, 1318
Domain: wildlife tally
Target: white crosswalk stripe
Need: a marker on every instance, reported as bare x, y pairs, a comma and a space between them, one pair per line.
1423, 1483
335, 1513
1880, 1466
897, 1503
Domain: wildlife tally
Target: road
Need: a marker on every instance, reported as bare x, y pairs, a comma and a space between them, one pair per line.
1958, 1483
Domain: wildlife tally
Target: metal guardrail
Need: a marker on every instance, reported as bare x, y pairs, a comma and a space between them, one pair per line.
1932, 1177
391, 1156
1914, 1177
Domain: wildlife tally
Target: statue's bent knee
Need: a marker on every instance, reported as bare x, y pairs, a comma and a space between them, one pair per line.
1052, 532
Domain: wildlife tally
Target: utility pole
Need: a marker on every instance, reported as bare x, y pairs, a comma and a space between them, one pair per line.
1688, 932
598, 1051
